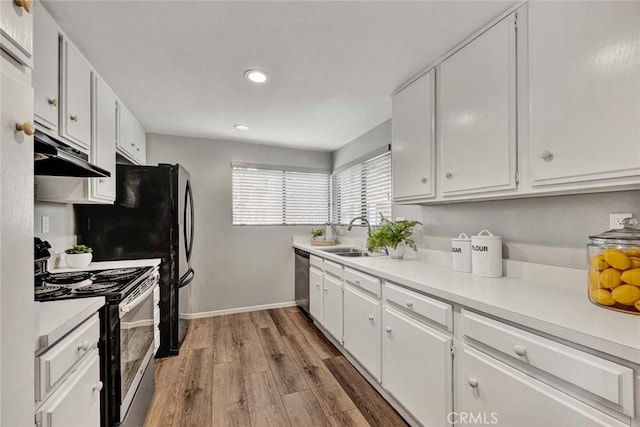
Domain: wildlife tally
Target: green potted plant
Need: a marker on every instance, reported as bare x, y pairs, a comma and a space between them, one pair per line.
394, 236
78, 256
316, 233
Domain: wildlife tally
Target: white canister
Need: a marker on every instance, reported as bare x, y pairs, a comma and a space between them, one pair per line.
461, 253
486, 254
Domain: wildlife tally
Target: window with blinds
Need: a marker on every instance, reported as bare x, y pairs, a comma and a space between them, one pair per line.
363, 189
264, 195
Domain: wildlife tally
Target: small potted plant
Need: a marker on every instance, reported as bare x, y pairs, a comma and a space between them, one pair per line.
78, 256
316, 233
394, 236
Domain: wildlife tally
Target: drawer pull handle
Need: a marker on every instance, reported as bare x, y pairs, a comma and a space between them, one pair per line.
318, 285
410, 304
26, 128
53, 102
83, 346
520, 350
74, 118
547, 156
357, 281
388, 329
473, 383
423, 180
98, 387
371, 317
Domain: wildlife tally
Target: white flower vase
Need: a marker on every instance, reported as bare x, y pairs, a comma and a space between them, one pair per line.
78, 260
398, 252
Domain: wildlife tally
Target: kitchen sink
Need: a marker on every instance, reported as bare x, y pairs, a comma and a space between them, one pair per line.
341, 250
352, 252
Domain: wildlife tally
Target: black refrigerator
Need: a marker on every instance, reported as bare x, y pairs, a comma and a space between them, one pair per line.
152, 217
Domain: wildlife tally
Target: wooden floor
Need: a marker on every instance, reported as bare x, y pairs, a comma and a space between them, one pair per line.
265, 368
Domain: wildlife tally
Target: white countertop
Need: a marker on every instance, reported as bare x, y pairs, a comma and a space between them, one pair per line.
102, 265
552, 300
55, 319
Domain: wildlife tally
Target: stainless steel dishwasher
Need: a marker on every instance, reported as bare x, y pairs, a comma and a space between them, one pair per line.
302, 280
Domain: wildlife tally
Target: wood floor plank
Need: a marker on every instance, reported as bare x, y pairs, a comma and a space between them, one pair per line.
331, 396
169, 372
304, 410
194, 399
352, 418
262, 319
200, 333
226, 345
252, 357
264, 402
243, 327
229, 400
285, 372
283, 323
318, 341
370, 404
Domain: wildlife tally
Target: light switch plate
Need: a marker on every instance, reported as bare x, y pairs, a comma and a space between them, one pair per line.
44, 224
615, 219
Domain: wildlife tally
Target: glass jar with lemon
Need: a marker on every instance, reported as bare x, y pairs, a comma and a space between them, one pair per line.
614, 268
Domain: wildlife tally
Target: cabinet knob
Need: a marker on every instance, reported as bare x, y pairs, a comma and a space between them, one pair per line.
423, 180
101, 181
53, 102
318, 285
133, 145
25, 4
137, 149
83, 346
520, 350
448, 175
357, 281
74, 118
26, 128
547, 156
326, 290
98, 387
387, 329
473, 383
371, 317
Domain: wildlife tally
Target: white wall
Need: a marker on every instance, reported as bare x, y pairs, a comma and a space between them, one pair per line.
368, 142
61, 233
236, 266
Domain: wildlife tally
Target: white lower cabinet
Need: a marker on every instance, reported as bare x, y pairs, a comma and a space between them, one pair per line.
417, 367
332, 306
77, 401
362, 330
491, 392
315, 293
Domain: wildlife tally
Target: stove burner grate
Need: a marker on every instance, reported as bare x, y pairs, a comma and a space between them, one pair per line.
50, 290
67, 278
96, 287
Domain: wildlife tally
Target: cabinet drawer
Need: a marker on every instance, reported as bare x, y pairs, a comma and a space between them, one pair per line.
333, 268
362, 280
56, 362
315, 261
437, 311
607, 380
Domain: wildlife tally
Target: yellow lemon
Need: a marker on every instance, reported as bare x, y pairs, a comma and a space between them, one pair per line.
594, 279
610, 278
631, 277
637, 305
626, 294
635, 252
598, 262
617, 259
601, 296
635, 262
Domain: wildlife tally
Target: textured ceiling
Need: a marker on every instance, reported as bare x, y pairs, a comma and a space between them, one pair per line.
178, 65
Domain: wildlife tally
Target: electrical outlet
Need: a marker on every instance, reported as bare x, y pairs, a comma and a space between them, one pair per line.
615, 219
44, 224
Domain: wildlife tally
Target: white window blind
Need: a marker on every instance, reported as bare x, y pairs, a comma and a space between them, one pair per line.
264, 195
363, 189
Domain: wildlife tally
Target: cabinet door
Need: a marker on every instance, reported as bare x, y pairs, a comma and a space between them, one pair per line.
362, 329
46, 57
103, 147
77, 401
126, 132
417, 367
76, 100
141, 144
332, 306
412, 149
315, 293
16, 29
477, 115
584, 91
496, 392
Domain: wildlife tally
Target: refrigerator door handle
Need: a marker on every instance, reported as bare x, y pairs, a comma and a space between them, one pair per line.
188, 202
187, 278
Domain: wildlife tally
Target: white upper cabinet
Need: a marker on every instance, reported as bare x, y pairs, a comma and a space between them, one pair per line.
46, 57
16, 29
76, 100
132, 143
103, 148
477, 114
141, 145
413, 147
584, 92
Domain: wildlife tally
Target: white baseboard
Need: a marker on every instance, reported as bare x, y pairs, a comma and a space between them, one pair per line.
238, 310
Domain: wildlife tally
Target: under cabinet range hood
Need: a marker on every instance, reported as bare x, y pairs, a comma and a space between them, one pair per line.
53, 157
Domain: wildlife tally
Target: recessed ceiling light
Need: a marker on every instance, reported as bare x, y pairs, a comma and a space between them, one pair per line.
241, 126
256, 76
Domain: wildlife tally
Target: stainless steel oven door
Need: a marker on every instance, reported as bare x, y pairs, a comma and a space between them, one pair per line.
136, 340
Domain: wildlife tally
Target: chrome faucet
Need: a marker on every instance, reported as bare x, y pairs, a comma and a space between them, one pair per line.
363, 219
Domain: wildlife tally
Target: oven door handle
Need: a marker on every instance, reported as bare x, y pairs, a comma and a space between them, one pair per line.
133, 304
